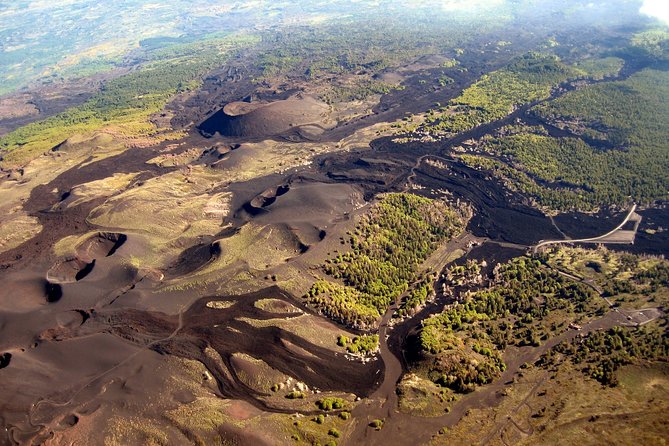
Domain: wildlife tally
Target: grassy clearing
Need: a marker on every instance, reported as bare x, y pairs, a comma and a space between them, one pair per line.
201, 418
560, 407
600, 354
163, 206
260, 247
627, 280
324, 430
79, 150
219, 304
255, 160
122, 431
276, 306
16, 229
172, 160
599, 69
257, 374
67, 246
204, 419
165, 210
423, 398
244, 256
100, 188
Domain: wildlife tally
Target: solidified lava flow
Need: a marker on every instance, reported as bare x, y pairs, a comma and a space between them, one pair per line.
233, 331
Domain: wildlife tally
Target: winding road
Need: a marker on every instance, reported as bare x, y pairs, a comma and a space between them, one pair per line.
606, 238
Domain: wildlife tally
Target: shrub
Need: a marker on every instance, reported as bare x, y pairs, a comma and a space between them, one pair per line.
376, 424
330, 403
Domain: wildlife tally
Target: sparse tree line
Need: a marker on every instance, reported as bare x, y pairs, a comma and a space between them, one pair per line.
601, 353
387, 246
462, 347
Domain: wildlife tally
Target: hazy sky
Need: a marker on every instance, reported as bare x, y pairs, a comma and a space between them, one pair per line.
656, 8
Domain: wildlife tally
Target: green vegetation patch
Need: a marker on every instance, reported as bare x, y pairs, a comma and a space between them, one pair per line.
418, 295
387, 246
629, 115
618, 152
598, 69
528, 301
652, 45
126, 430
354, 47
419, 396
376, 424
516, 180
528, 78
332, 403
629, 281
365, 344
17, 229
343, 303
463, 345
357, 91
201, 418
602, 353
159, 212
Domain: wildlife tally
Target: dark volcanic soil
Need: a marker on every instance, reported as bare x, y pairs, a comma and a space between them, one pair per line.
322, 368
653, 234
579, 225
265, 120
498, 215
186, 335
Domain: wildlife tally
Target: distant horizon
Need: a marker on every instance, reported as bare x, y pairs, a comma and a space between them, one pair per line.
52, 40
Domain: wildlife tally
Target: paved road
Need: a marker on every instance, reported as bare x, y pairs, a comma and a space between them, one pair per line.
601, 238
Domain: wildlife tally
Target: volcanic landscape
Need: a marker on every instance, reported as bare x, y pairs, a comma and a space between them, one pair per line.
163, 288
